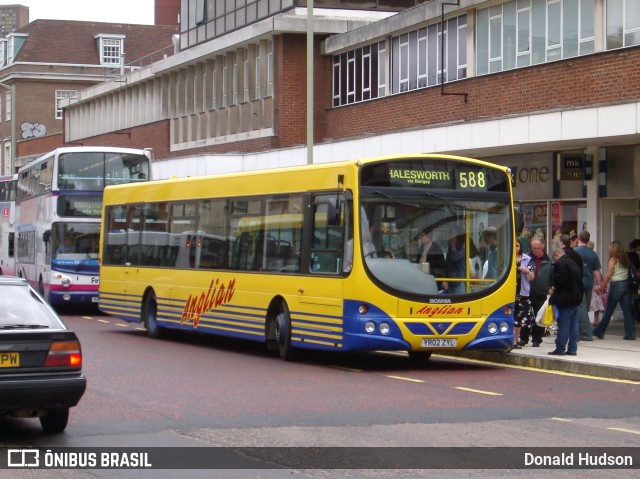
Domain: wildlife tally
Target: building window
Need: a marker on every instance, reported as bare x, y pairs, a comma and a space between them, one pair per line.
245, 76
258, 77
7, 103
111, 50
270, 68
357, 75
521, 33
3, 52
424, 57
623, 23
62, 95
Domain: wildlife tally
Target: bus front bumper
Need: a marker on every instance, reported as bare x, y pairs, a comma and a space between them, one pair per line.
58, 298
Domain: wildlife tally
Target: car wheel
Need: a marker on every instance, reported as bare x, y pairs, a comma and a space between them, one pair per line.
283, 334
150, 313
55, 420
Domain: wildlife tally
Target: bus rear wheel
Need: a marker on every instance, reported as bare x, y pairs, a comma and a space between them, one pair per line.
150, 315
283, 334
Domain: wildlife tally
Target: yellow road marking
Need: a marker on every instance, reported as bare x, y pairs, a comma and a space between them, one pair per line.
406, 379
343, 368
544, 371
103, 321
631, 431
87, 317
488, 393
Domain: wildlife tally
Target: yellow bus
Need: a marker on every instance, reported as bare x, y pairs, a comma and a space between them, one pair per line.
325, 257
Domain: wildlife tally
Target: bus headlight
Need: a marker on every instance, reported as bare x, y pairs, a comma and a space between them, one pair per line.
504, 327
493, 328
369, 327
385, 328
66, 282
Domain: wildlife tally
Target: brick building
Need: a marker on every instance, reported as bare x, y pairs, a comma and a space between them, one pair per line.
47, 61
550, 88
13, 17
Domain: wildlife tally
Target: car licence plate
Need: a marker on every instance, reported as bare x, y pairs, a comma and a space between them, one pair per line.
9, 360
439, 343
95, 299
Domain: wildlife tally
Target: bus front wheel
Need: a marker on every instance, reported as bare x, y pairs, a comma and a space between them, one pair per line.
283, 334
150, 313
419, 358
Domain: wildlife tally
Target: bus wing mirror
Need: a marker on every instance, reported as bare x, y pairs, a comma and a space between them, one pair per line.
333, 213
46, 236
519, 220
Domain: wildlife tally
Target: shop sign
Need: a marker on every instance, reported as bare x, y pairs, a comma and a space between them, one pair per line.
572, 167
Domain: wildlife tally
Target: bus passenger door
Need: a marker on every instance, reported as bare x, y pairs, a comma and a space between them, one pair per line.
320, 295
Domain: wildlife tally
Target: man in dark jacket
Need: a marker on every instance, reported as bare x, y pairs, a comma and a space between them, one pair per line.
543, 270
566, 293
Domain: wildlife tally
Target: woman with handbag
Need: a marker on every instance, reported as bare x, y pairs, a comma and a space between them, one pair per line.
617, 278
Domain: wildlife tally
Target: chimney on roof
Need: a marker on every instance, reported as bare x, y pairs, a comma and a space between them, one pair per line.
167, 12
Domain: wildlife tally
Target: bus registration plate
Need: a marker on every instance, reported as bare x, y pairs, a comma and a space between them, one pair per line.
439, 343
95, 299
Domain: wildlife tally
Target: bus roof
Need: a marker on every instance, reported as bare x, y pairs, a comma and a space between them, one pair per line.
264, 181
87, 149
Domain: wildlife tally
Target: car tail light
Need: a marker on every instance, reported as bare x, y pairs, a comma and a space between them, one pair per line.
64, 353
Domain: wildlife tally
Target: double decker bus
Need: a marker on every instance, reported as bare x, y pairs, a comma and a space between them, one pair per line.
59, 202
322, 257
7, 224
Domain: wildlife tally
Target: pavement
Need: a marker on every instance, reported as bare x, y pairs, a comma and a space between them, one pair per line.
611, 357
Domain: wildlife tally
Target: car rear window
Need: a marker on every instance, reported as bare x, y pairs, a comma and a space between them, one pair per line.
19, 306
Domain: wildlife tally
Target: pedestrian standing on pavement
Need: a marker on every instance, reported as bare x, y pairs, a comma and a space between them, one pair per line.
617, 280
540, 285
523, 311
566, 243
591, 277
634, 257
567, 294
598, 300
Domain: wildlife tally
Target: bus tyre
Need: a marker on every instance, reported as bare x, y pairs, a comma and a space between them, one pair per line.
419, 358
283, 334
55, 420
150, 314
41, 287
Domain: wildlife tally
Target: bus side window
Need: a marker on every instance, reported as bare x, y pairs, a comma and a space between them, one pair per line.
327, 250
244, 257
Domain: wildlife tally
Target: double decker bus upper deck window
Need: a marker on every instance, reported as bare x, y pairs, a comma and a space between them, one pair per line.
434, 174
